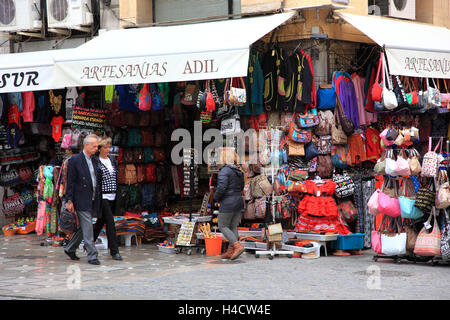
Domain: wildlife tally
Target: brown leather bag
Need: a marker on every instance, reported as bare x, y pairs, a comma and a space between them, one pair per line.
147, 139
128, 155
324, 166
140, 173
130, 174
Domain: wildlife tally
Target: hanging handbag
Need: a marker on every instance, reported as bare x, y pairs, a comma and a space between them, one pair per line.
390, 164
230, 125
425, 198
430, 162
429, 243
326, 122
324, 166
393, 244
434, 96
190, 94
295, 148
414, 163
445, 97
400, 94
412, 96
144, 98
344, 185
445, 240
326, 97
443, 196
235, 96
299, 135
260, 207
388, 95
339, 156
347, 210
377, 88
310, 151
380, 166
372, 204
337, 134
308, 120
324, 144
407, 202
402, 165
250, 211
346, 123
389, 205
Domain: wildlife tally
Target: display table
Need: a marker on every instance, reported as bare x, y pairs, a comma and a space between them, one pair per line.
321, 239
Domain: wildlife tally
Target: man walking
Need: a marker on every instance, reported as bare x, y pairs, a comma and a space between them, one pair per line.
83, 196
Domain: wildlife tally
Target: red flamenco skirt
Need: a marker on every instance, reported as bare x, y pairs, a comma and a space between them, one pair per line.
306, 223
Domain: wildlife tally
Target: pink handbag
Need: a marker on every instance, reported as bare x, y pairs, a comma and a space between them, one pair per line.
389, 205
373, 203
376, 241
385, 140
402, 165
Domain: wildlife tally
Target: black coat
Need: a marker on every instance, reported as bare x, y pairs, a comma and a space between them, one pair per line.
229, 189
79, 184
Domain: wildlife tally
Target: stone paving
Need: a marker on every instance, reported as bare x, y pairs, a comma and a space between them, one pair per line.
31, 271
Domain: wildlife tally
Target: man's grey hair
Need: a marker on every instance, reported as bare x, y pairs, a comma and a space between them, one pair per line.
89, 138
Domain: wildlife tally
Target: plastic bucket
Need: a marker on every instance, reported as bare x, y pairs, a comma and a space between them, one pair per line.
213, 246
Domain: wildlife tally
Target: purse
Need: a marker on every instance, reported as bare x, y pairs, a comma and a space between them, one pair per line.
308, 120
310, 151
389, 205
144, 98
445, 97
407, 201
393, 244
190, 95
388, 95
326, 97
425, 198
250, 211
402, 165
295, 148
443, 196
339, 156
414, 163
347, 125
377, 89
372, 204
347, 210
429, 243
299, 135
344, 185
390, 164
380, 166
324, 166
235, 96
337, 134
324, 144
326, 122
434, 96
430, 162
445, 240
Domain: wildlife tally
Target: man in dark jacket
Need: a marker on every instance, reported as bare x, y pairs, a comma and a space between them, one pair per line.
83, 197
228, 193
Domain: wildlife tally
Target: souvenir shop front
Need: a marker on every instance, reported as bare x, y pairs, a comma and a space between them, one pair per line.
343, 161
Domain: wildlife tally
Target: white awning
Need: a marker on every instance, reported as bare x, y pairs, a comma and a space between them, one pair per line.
208, 50
413, 49
28, 71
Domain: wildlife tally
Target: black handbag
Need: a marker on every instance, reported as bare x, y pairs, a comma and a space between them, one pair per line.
310, 151
425, 198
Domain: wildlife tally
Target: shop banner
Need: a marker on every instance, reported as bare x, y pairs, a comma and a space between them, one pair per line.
153, 69
26, 79
419, 63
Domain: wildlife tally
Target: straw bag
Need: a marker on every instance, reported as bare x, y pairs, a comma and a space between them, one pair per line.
429, 243
425, 198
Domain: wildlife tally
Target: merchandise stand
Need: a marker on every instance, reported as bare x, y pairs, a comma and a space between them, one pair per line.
274, 144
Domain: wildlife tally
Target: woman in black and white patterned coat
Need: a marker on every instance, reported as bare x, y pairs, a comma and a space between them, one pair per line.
108, 170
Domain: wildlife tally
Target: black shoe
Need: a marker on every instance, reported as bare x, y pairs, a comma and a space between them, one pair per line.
72, 255
94, 261
117, 256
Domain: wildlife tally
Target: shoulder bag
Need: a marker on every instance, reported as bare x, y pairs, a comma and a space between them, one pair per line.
407, 200
445, 240
347, 124
425, 198
308, 120
337, 134
389, 205
394, 244
377, 89
434, 96
430, 163
429, 243
388, 95
299, 135
344, 185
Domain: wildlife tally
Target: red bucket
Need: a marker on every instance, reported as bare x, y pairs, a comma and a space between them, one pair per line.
213, 246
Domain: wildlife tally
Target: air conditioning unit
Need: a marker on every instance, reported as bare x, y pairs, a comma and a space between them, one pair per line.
69, 14
403, 9
20, 15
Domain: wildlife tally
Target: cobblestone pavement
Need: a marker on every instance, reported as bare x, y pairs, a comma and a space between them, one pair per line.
31, 271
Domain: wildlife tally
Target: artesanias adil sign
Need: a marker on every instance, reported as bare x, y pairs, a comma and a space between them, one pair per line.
167, 68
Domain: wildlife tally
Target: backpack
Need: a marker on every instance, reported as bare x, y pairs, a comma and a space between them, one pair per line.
326, 121
134, 137
150, 172
148, 195
430, 163
127, 174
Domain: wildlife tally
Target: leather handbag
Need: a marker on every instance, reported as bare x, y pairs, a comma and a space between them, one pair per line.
337, 134
324, 144
429, 243
326, 122
393, 244
295, 148
324, 166
347, 124
377, 89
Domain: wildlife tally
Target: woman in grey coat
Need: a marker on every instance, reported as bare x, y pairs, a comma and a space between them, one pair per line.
228, 194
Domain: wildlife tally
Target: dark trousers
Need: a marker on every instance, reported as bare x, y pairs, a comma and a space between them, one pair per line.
107, 218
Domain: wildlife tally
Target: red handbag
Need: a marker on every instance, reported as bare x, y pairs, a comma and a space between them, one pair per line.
377, 89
